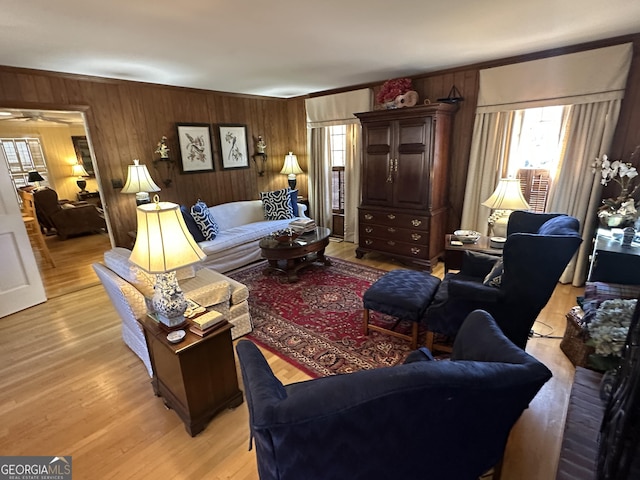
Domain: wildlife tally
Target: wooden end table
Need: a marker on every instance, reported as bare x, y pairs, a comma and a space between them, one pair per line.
288, 258
196, 377
453, 254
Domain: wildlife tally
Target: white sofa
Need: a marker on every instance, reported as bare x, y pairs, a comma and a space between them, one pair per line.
242, 225
130, 289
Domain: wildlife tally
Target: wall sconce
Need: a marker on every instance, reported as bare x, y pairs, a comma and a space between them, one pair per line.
78, 171
169, 165
139, 181
260, 156
291, 168
506, 197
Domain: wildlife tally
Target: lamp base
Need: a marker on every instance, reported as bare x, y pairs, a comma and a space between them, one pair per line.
292, 181
498, 223
142, 198
82, 184
168, 300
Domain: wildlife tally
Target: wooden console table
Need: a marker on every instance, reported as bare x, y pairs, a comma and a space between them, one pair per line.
196, 377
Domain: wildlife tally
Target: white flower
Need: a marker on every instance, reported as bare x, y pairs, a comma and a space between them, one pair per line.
608, 330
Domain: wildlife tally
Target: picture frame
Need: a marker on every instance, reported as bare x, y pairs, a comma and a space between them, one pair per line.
83, 153
234, 148
196, 152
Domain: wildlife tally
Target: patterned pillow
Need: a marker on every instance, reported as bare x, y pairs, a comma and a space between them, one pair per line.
192, 226
202, 215
494, 278
277, 204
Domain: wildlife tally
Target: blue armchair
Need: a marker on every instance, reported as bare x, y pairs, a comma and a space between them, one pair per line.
422, 419
513, 288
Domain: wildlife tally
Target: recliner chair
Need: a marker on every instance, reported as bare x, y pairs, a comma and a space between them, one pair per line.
424, 419
513, 288
68, 219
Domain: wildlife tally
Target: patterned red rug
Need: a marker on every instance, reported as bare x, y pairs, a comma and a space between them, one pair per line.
316, 323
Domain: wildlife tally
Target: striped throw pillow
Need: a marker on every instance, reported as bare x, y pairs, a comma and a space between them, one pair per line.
202, 215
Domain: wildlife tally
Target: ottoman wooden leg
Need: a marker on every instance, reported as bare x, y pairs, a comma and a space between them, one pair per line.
414, 336
365, 317
429, 341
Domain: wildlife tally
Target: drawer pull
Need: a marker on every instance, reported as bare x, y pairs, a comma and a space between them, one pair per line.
368, 216
416, 236
368, 229
391, 242
391, 216
391, 230
415, 250
416, 223
368, 242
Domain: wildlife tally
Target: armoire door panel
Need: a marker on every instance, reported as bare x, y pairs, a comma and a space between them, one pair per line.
377, 186
410, 189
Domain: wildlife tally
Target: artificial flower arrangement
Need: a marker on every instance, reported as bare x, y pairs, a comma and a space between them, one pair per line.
392, 88
608, 332
622, 173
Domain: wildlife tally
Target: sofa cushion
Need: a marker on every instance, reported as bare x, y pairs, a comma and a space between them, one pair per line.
560, 225
117, 259
204, 218
277, 204
192, 226
244, 234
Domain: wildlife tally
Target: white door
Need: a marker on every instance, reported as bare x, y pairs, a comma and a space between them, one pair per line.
20, 283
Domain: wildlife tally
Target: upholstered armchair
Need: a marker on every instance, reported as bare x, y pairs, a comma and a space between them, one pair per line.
513, 288
68, 218
422, 419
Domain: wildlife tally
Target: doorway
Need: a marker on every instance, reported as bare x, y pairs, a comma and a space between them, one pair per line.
56, 130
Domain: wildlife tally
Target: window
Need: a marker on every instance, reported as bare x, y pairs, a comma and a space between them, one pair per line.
338, 142
23, 155
535, 148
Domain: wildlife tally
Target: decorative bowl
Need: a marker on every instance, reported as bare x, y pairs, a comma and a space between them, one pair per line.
285, 236
467, 236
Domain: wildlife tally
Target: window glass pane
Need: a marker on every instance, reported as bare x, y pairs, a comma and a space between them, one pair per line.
22, 156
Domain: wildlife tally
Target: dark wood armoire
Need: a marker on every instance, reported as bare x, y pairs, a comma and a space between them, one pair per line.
404, 206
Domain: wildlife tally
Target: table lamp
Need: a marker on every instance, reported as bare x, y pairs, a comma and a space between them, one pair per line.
35, 177
291, 168
78, 171
506, 198
164, 244
139, 181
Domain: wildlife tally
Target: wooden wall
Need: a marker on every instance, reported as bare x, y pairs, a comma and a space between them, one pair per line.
126, 120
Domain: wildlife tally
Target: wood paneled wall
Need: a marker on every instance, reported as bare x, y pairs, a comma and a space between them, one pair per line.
125, 120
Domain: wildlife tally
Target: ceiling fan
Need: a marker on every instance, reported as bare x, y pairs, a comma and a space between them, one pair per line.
36, 117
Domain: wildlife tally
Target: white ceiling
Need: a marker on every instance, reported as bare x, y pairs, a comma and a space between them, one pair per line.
286, 48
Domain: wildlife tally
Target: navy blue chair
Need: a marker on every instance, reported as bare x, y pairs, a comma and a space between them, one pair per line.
513, 288
423, 419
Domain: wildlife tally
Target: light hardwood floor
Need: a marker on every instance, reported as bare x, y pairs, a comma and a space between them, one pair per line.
69, 386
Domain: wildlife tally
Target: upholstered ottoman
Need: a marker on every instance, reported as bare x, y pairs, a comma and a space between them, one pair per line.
404, 294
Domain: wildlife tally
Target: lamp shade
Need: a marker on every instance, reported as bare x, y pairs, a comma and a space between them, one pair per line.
35, 177
291, 166
163, 242
507, 196
139, 180
78, 171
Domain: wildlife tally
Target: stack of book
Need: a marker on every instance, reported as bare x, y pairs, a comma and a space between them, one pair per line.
303, 225
206, 323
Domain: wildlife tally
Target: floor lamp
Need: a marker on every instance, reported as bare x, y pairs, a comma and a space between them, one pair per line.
506, 198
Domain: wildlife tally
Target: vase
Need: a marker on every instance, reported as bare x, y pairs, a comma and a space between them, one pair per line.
607, 384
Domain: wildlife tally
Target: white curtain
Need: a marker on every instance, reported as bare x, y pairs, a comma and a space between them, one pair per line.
323, 112
319, 178
593, 83
576, 189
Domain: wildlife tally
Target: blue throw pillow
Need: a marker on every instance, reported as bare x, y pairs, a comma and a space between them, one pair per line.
205, 221
294, 202
193, 227
277, 204
561, 225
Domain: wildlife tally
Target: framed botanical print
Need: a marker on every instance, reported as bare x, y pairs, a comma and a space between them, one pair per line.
196, 153
234, 148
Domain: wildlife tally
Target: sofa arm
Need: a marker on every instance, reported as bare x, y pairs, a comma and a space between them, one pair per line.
302, 210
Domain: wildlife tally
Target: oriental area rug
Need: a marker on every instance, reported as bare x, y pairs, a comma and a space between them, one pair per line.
316, 323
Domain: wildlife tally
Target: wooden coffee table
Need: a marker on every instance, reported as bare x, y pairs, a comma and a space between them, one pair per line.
288, 258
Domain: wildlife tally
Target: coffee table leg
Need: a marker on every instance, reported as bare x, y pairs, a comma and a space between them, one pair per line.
322, 258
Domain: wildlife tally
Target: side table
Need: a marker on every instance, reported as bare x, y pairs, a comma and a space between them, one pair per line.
453, 254
196, 377
613, 263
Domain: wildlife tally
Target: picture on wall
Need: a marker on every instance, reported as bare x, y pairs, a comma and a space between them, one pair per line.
195, 147
83, 153
233, 146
